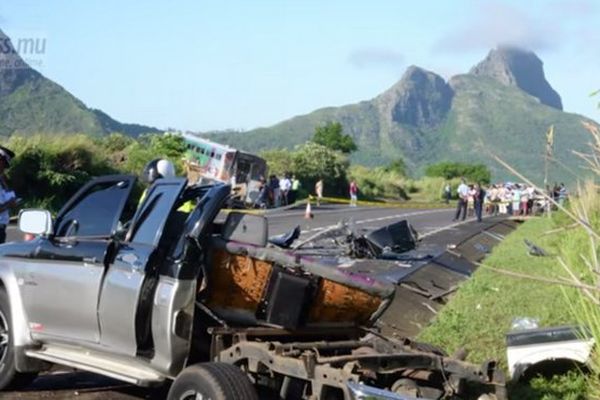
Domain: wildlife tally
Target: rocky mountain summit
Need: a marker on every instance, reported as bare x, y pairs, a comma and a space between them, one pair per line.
420, 98
520, 68
504, 104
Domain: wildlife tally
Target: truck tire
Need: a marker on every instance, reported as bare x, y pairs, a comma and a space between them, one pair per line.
9, 376
213, 380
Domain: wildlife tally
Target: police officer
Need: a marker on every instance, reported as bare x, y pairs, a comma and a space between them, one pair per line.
156, 169
7, 196
161, 168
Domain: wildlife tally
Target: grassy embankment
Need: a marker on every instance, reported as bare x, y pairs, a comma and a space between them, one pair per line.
481, 312
379, 183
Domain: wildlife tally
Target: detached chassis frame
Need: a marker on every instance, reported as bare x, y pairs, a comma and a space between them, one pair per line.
332, 364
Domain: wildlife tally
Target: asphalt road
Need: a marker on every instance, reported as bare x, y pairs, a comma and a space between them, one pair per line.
65, 384
424, 221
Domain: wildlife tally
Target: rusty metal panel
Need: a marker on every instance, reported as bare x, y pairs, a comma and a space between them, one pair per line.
237, 281
340, 303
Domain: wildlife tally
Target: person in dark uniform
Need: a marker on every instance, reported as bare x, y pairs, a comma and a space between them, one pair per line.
479, 198
7, 197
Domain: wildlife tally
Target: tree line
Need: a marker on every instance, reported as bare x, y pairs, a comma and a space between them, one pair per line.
47, 170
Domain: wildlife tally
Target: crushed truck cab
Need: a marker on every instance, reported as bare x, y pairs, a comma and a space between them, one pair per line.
150, 295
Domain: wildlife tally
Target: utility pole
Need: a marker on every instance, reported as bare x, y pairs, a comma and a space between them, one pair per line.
547, 155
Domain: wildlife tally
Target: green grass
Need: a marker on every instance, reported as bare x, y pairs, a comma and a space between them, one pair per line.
481, 313
571, 386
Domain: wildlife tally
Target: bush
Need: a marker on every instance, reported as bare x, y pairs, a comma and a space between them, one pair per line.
398, 166
47, 170
279, 161
149, 147
376, 183
311, 161
449, 170
331, 136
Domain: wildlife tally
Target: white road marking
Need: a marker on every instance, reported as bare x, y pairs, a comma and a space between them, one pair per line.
364, 221
314, 208
452, 226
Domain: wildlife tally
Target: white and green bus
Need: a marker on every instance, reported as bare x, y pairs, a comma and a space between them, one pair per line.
208, 161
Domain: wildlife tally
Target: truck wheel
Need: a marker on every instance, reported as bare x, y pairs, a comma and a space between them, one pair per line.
8, 374
214, 381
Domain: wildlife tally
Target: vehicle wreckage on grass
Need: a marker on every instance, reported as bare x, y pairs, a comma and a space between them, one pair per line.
148, 294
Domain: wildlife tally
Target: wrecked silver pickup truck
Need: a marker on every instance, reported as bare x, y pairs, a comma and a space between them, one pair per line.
149, 294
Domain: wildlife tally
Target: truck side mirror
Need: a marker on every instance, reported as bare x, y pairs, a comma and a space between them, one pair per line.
35, 221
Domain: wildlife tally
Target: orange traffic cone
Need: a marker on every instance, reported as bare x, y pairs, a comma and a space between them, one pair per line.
308, 213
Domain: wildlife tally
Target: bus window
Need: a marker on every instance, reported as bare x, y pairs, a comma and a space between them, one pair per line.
218, 156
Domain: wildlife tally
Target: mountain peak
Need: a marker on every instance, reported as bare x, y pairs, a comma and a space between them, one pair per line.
416, 74
421, 97
13, 70
42, 106
522, 68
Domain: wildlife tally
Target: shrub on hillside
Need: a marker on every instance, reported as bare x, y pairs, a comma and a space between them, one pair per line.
148, 147
311, 161
379, 182
449, 170
398, 166
48, 170
331, 135
279, 161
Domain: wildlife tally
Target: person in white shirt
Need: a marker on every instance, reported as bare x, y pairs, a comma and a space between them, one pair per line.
319, 190
7, 196
285, 185
463, 198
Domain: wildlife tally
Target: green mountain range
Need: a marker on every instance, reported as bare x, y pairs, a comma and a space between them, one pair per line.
504, 105
31, 103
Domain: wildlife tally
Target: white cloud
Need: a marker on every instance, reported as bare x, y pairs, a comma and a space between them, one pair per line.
376, 57
495, 23
547, 27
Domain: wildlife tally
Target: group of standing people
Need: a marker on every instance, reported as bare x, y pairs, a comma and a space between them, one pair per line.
511, 198
277, 192
501, 198
466, 194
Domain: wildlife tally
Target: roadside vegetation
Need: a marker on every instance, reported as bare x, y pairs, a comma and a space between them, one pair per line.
482, 311
448, 170
326, 156
560, 288
48, 169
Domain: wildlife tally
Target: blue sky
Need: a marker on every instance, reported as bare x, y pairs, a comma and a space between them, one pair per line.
203, 65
